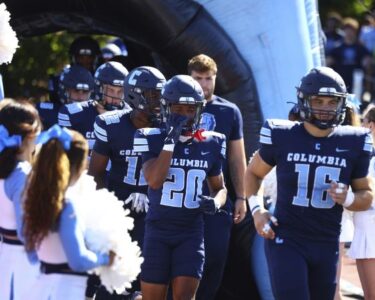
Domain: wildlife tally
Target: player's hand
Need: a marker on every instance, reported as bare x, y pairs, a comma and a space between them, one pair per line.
240, 210
338, 192
208, 205
174, 126
139, 202
262, 221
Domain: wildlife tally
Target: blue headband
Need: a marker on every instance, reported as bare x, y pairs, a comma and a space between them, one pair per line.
55, 132
7, 141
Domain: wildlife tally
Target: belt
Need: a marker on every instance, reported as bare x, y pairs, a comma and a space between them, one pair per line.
8, 241
8, 231
48, 268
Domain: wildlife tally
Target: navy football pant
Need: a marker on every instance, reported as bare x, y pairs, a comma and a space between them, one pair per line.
217, 229
170, 252
302, 269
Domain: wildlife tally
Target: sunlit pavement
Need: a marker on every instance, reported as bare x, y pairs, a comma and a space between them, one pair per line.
350, 284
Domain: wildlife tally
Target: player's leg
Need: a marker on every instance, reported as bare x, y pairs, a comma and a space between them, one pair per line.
187, 264
323, 270
153, 291
155, 270
288, 269
217, 230
184, 287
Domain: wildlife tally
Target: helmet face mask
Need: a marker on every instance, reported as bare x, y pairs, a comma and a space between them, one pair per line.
322, 85
109, 78
75, 79
77, 95
192, 111
112, 97
142, 90
178, 94
84, 51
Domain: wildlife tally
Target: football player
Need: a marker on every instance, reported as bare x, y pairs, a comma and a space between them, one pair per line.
109, 93
222, 116
76, 84
176, 160
317, 160
84, 51
114, 135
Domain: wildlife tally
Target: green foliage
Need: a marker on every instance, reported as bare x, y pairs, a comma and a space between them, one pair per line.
346, 8
35, 59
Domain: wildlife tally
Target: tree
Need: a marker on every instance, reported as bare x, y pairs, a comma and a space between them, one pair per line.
36, 59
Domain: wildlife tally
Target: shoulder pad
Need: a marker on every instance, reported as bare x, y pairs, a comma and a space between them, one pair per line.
110, 117
99, 131
280, 123
272, 124
46, 105
141, 142
74, 107
149, 131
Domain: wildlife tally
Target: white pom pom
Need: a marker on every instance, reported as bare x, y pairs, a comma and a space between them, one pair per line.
8, 38
106, 225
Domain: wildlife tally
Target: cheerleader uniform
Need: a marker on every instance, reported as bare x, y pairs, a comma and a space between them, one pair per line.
363, 244
64, 256
18, 271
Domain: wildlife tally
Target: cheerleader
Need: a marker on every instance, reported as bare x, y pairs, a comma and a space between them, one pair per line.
19, 125
363, 245
53, 219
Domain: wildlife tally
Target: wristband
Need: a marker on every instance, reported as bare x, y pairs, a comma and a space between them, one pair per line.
254, 204
169, 147
240, 198
349, 199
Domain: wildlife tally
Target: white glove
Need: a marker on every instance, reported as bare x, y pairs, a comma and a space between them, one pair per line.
140, 202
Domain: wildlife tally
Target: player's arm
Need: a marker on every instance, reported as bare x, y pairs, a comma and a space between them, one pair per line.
360, 198
97, 168
361, 182
237, 167
63, 117
255, 172
217, 188
156, 169
100, 152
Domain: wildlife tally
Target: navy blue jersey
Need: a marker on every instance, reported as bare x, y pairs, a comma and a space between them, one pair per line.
48, 113
305, 167
177, 201
223, 116
114, 133
80, 116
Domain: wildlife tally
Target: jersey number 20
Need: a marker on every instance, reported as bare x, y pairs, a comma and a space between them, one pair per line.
183, 188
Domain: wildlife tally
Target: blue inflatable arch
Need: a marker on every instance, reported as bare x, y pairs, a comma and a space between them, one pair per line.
262, 48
